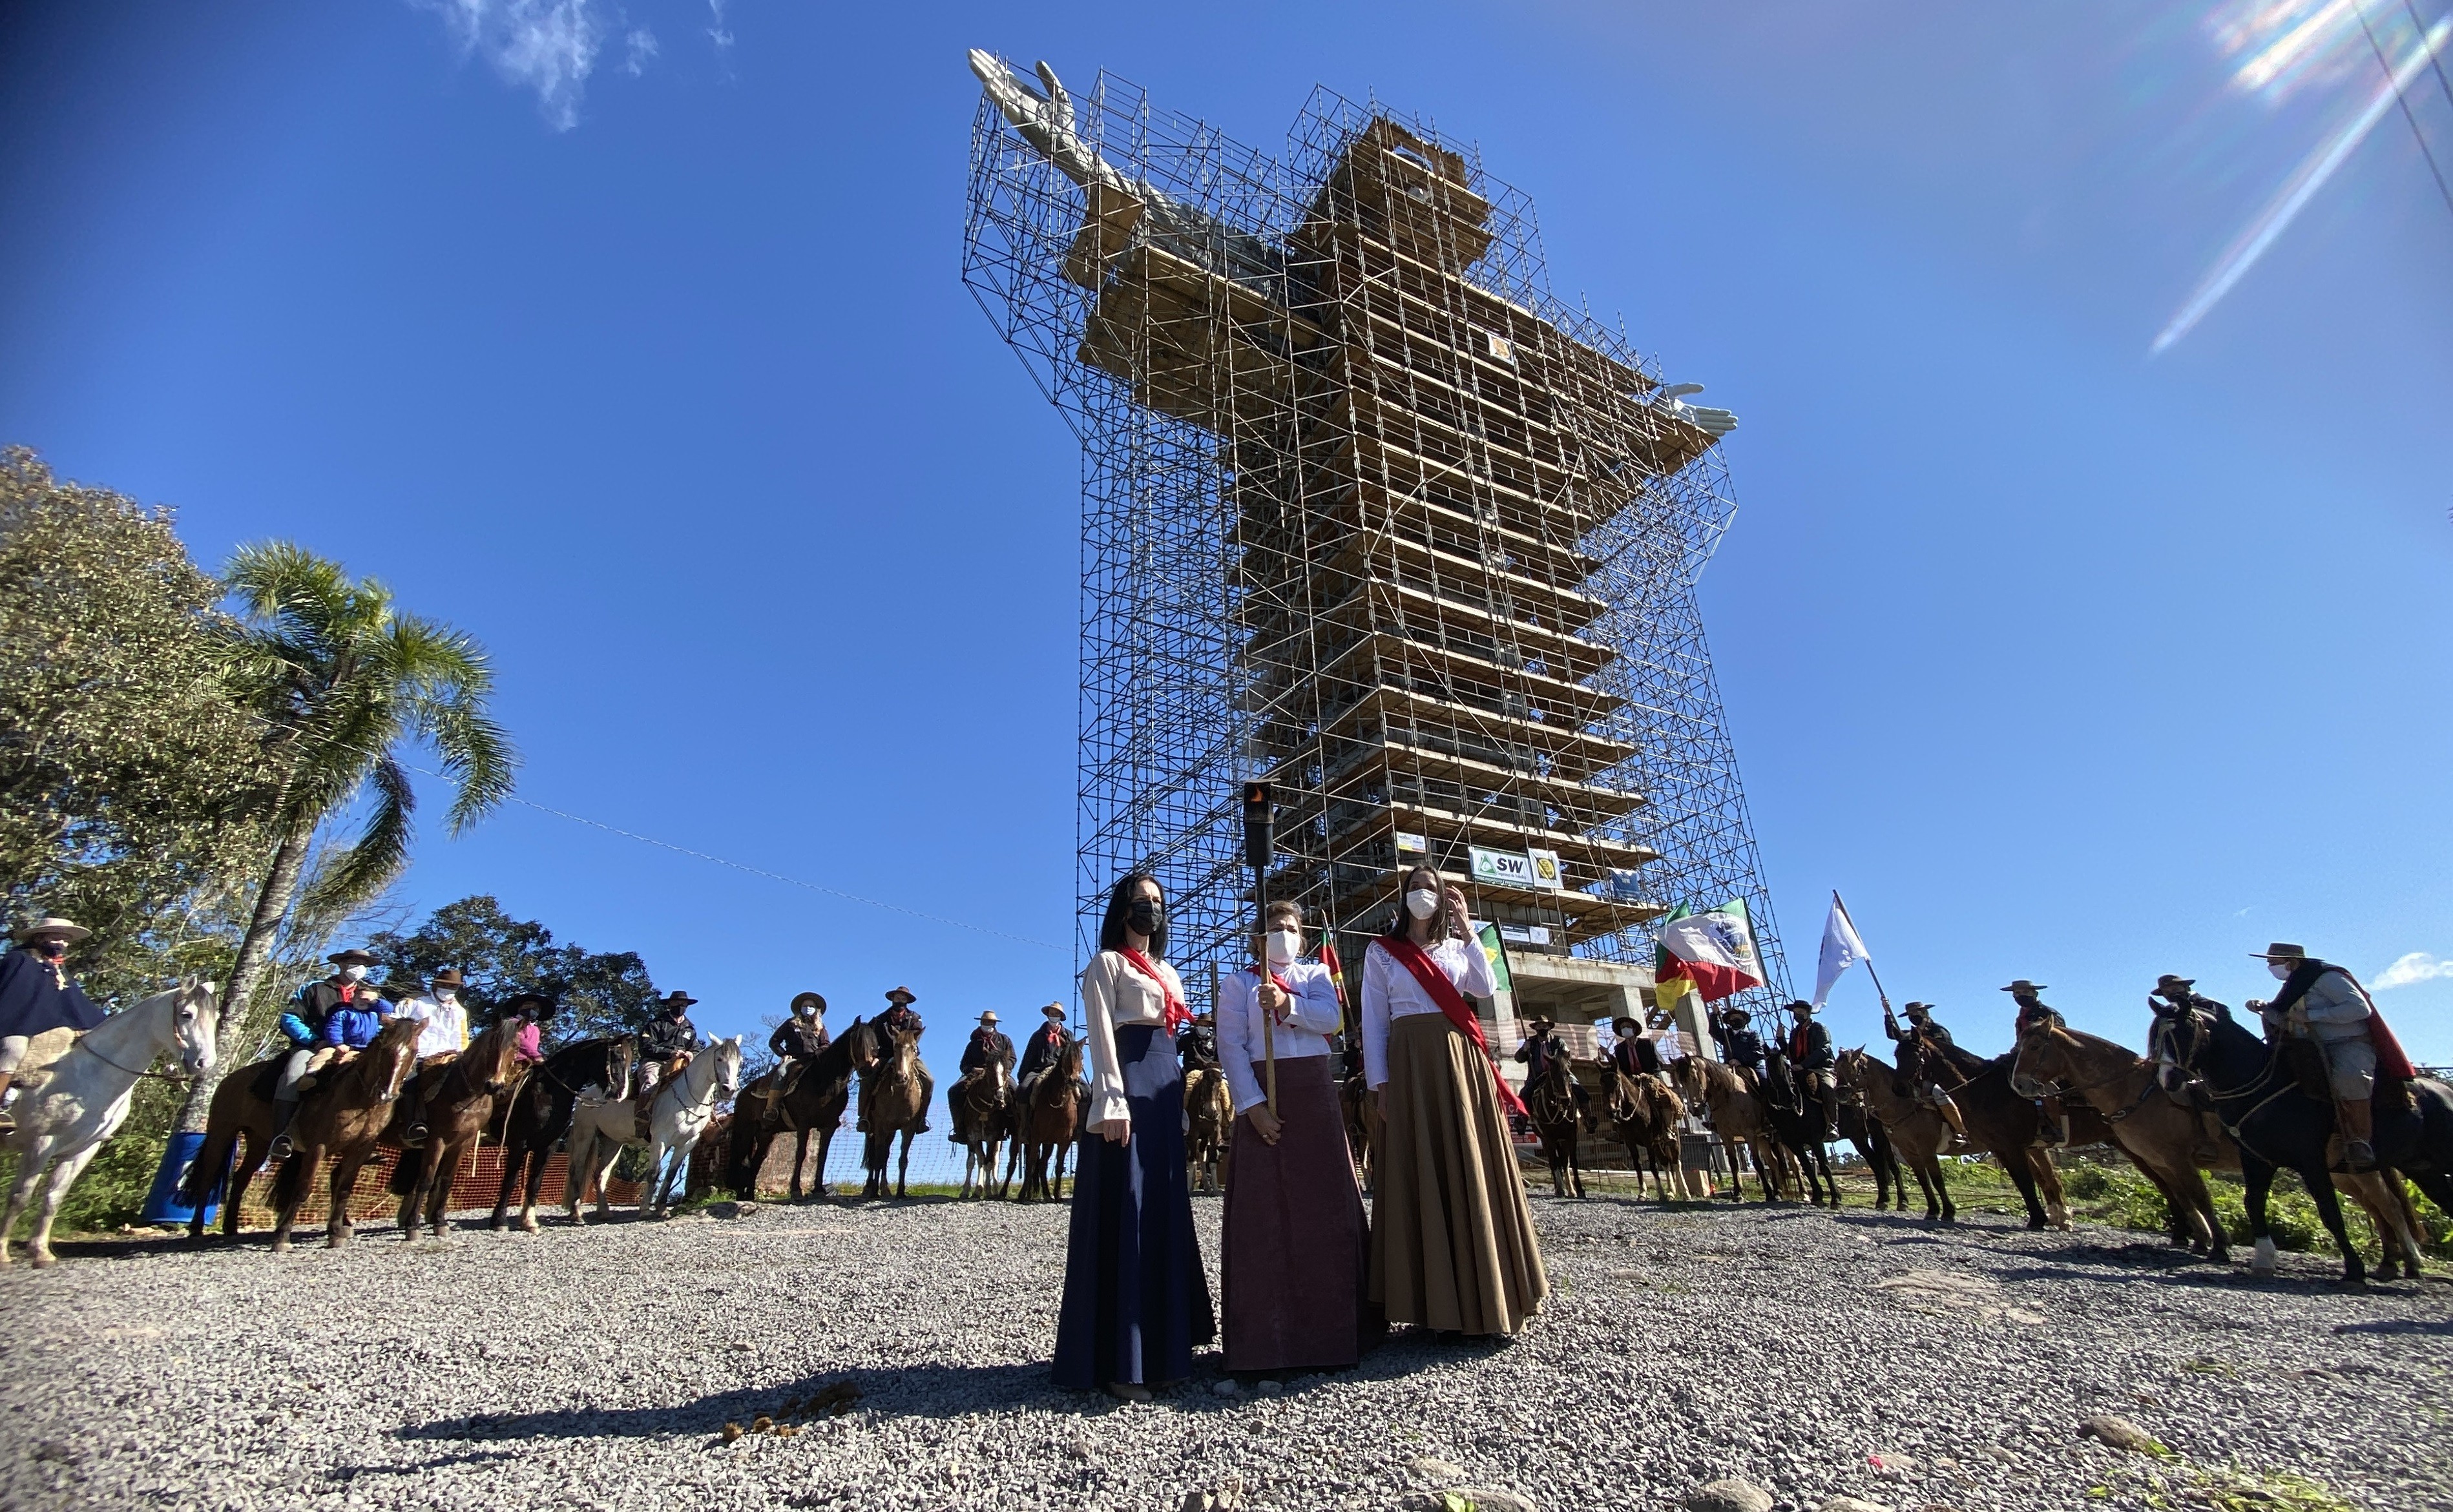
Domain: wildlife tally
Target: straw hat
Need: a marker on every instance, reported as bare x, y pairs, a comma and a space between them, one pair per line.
51, 928
1055, 1010
902, 995
989, 1018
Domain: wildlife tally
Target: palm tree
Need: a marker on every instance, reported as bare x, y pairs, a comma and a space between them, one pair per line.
341, 678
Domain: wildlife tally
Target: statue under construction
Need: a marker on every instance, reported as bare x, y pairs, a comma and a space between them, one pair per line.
1368, 514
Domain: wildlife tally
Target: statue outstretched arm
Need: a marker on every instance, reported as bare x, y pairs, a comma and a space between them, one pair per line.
1046, 124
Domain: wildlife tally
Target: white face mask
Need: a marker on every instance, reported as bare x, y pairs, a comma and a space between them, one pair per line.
354, 973
1285, 944
446, 996
2281, 970
1421, 903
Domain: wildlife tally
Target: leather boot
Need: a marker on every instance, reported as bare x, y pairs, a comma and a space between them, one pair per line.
1949, 1111
2358, 1133
282, 1114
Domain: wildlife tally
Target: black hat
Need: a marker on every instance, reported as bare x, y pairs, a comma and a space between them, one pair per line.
519, 1001
818, 998
674, 1002
2168, 982
2023, 984
2280, 951
1914, 1007
1801, 1008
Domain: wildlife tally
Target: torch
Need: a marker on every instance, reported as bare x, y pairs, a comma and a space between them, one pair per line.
1257, 850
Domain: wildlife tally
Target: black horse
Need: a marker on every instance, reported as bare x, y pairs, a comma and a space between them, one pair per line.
540, 1114
814, 1105
1873, 1141
1798, 1126
2279, 1125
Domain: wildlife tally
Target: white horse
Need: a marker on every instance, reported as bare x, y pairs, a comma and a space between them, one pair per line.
678, 1114
62, 1123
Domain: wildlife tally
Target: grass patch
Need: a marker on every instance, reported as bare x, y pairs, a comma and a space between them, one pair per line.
2237, 1490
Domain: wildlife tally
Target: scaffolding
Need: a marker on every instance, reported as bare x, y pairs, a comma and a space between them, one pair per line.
1368, 513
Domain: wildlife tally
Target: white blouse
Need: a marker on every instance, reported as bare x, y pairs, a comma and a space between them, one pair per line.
1310, 1020
445, 1030
1389, 991
1116, 995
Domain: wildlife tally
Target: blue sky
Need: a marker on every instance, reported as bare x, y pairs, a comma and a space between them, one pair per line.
2061, 661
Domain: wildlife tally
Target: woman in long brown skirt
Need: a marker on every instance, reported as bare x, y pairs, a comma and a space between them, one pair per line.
1452, 1245
1293, 1243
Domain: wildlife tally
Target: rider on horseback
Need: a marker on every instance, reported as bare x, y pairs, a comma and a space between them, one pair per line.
799, 1040
2054, 1127
897, 1020
1741, 1048
1040, 1051
37, 995
1924, 1045
669, 1038
989, 1051
1541, 1045
1197, 1046
2325, 1005
304, 1025
1810, 1053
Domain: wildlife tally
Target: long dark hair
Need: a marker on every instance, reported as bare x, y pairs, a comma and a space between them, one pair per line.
1443, 926
1120, 901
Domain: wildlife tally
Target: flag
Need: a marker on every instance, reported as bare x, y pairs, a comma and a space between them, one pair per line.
1841, 950
1336, 971
1497, 954
1714, 951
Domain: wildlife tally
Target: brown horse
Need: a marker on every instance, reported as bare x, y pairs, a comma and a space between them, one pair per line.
1051, 1118
1550, 1103
343, 1118
2171, 1142
1644, 1113
2008, 1127
462, 1099
893, 1092
1920, 1135
238, 1131
981, 1108
1210, 1115
813, 1105
1738, 1115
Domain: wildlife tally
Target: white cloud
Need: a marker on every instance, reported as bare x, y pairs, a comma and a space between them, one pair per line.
2417, 967
643, 47
722, 35
549, 46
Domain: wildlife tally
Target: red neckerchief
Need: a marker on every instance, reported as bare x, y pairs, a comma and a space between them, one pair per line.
1177, 1014
1454, 1006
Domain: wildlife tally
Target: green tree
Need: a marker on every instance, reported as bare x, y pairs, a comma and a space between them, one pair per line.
341, 679
132, 779
600, 993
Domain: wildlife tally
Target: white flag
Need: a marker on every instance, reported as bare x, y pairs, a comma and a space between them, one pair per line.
1841, 950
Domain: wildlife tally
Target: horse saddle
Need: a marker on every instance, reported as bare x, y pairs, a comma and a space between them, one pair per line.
268, 1077
2306, 1061
43, 1051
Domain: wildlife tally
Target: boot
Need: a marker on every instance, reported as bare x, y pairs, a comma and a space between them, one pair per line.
1949, 1111
2358, 1133
282, 1114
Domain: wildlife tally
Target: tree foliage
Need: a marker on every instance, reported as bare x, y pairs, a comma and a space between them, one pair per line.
133, 782
598, 992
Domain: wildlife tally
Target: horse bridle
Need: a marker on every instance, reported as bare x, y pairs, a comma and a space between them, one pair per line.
2054, 1088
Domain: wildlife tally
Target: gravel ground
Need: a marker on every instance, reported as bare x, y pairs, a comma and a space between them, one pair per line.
1814, 1356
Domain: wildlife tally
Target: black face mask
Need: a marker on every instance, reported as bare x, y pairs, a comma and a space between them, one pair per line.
1145, 918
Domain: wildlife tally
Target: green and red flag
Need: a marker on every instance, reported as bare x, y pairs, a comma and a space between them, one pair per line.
1711, 954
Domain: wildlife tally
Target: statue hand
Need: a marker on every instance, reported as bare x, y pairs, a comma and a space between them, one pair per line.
1048, 124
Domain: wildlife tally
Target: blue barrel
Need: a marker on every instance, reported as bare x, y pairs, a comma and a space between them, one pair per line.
162, 1204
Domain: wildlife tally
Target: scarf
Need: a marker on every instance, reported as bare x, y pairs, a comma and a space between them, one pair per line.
1453, 1007
1177, 1014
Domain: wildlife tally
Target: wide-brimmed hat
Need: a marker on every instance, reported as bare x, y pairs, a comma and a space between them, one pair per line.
352, 957
902, 995
1623, 1019
447, 977
990, 1017
2023, 984
1802, 1008
675, 1000
1914, 1006
2168, 980
1735, 1016
818, 998
521, 1000
52, 928
1055, 1010
2280, 951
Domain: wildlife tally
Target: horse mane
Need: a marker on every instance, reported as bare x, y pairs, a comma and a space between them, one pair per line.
387, 1040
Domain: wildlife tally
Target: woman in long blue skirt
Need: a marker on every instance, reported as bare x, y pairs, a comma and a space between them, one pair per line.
1136, 1299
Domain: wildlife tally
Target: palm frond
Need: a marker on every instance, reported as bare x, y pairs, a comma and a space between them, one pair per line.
356, 873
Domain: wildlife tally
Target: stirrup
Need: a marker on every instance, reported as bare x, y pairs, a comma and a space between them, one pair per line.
415, 1138
280, 1149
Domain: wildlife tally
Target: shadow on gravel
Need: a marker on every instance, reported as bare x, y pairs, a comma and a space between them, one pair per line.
915, 1391
2159, 1264
2440, 1327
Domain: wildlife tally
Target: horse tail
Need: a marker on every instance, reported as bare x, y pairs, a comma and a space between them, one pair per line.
403, 1176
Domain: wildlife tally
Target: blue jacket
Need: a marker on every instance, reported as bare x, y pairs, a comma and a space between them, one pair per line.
34, 999
352, 1028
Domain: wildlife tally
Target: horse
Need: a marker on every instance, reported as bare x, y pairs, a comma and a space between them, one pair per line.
1798, 1126
460, 1107
1874, 1142
1209, 1118
2007, 1125
1051, 1119
1737, 1114
1644, 1113
2171, 1142
814, 1105
1550, 1103
540, 1112
84, 1097
981, 1108
1920, 1134
343, 1117
1361, 1114
2277, 1125
678, 1115
890, 1089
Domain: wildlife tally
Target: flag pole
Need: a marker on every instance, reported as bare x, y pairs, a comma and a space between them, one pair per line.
1868, 957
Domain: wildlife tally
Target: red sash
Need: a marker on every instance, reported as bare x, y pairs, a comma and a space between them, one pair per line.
1453, 1007
1177, 1014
